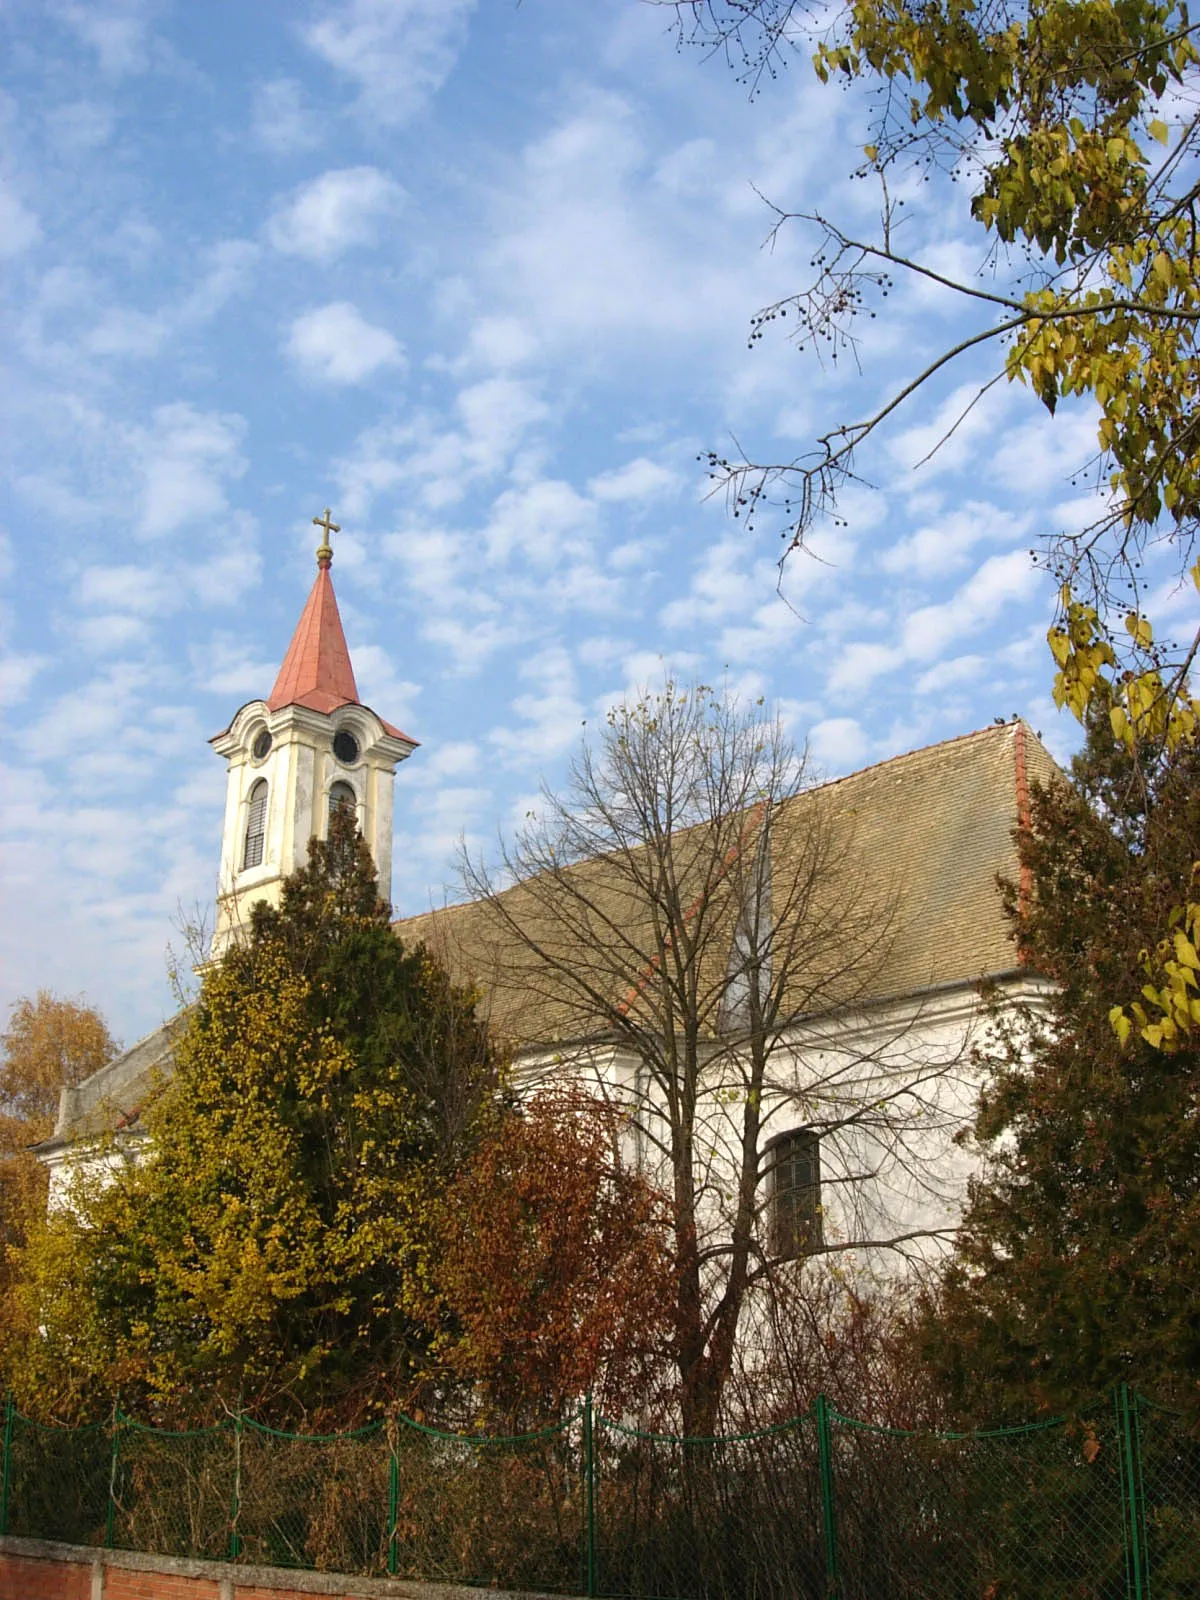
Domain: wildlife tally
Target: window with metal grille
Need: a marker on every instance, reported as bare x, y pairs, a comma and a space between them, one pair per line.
256, 825
794, 1193
342, 794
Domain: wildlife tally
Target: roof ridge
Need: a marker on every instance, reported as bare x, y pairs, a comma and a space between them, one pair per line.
921, 750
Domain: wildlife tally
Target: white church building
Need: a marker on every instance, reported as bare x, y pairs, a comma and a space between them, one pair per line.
841, 1176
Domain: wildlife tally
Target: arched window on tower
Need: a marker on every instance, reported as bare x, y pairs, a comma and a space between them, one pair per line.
256, 825
342, 794
343, 802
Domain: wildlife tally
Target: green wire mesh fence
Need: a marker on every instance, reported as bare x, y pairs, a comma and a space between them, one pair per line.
824, 1506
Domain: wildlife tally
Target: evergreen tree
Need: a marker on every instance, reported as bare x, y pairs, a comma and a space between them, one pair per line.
1075, 1266
327, 1084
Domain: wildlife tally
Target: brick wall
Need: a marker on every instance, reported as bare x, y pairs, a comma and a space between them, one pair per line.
24, 1579
31, 1569
120, 1584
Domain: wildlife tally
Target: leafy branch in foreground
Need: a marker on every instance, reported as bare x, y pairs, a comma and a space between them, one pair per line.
1073, 128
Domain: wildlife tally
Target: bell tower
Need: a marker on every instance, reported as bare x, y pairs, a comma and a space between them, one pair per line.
310, 746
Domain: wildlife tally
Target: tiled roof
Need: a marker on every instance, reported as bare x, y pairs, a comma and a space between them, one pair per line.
113, 1097
916, 842
316, 671
910, 848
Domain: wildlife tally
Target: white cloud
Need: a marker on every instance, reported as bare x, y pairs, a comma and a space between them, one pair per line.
632, 553
228, 272
232, 564
721, 586
450, 758
594, 258
185, 458
127, 333
19, 228
282, 122
770, 630
1000, 580
334, 213
469, 645
229, 666
143, 591
433, 560
88, 714
944, 546
551, 714
500, 341
641, 479
544, 522
381, 687
336, 344
117, 31
953, 674
581, 586
110, 634
838, 743
398, 53
947, 441
927, 633
497, 414
439, 463
1041, 450
602, 650
647, 672
858, 665
688, 168
82, 125
17, 673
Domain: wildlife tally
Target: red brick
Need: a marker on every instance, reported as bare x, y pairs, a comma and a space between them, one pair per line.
23, 1579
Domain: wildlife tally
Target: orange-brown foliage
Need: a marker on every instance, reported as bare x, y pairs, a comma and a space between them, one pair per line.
551, 1265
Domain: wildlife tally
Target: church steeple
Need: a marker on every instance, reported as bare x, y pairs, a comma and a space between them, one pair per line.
309, 746
316, 671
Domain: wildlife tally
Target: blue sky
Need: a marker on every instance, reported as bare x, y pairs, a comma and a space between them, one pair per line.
479, 277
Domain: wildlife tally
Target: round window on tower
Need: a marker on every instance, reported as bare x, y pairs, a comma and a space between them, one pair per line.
261, 748
345, 747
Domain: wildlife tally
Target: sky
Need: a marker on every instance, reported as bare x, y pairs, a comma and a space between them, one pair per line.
480, 278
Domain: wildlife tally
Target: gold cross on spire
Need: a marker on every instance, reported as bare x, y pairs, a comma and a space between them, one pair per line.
325, 549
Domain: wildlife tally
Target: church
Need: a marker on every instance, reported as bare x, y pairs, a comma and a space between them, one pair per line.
931, 831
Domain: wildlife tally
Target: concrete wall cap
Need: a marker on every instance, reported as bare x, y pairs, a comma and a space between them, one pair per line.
248, 1578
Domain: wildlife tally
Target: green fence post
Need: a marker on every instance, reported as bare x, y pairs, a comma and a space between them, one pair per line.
235, 1505
828, 1524
393, 1561
10, 1412
589, 1497
110, 1516
1137, 1577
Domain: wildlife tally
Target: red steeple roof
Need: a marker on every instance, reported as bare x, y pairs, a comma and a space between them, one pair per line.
316, 671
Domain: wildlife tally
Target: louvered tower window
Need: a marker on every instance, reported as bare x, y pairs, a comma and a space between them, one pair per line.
256, 825
794, 1193
342, 794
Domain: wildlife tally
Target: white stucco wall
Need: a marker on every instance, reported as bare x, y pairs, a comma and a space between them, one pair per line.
886, 1088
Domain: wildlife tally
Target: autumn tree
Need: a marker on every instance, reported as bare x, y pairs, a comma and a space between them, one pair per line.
667, 931
549, 1267
325, 1085
849, 1341
1075, 1266
1071, 129
50, 1043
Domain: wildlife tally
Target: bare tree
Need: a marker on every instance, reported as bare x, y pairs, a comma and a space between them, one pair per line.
689, 924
